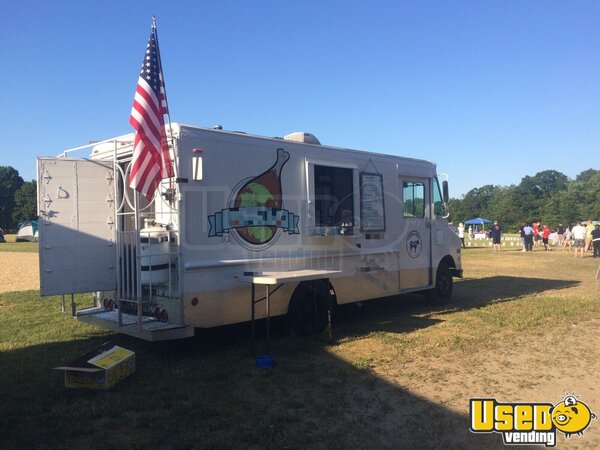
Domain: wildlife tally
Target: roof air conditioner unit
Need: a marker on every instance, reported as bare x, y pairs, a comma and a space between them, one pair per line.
301, 136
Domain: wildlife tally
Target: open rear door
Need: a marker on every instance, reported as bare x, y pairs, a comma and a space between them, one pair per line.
76, 204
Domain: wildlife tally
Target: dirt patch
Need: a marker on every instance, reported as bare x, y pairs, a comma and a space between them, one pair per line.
528, 369
19, 271
449, 362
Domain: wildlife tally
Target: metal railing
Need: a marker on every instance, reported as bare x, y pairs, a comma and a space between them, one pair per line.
140, 280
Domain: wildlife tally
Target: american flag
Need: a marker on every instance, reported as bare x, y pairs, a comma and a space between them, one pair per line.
151, 160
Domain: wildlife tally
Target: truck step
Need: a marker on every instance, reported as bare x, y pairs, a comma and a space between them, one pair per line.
151, 330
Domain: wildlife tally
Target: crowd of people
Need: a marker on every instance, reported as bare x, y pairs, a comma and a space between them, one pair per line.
583, 237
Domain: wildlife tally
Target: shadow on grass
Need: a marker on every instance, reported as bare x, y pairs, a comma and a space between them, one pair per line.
205, 392
185, 395
404, 313
474, 293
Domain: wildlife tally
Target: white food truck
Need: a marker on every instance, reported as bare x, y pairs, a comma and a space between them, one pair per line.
325, 225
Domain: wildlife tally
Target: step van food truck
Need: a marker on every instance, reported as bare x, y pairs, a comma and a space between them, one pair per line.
363, 225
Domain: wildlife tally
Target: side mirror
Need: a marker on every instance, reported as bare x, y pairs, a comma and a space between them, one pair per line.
445, 191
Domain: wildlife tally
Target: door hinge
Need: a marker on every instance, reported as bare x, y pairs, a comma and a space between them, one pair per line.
46, 176
58, 193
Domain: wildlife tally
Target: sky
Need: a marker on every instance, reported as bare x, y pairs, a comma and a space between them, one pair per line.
491, 91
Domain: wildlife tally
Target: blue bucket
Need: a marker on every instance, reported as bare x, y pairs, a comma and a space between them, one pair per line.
264, 361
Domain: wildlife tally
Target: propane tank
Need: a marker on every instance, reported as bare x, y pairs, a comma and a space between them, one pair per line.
154, 252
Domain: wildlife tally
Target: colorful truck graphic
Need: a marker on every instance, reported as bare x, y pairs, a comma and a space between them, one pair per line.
257, 211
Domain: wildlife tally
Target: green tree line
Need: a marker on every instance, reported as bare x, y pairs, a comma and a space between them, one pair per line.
549, 197
17, 199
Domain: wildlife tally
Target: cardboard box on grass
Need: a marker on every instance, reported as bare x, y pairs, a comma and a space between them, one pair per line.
100, 368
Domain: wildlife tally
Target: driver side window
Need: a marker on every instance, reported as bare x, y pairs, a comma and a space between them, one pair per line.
413, 199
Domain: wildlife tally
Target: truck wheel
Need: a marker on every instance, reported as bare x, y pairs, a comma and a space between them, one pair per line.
442, 292
308, 308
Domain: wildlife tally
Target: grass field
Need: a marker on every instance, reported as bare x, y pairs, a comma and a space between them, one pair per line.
12, 246
399, 374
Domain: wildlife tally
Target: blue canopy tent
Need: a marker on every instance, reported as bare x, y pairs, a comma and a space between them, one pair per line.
478, 221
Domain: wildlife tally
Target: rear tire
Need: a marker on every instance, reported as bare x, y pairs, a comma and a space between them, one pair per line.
442, 292
303, 317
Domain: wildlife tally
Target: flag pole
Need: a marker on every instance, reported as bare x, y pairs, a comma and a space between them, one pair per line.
175, 157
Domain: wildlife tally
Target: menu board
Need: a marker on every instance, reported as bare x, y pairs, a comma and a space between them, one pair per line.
372, 211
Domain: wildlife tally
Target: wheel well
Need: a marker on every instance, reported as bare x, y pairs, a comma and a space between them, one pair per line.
309, 309
441, 292
448, 260
322, 283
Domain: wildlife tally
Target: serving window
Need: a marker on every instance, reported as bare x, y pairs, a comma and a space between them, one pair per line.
332, 193
334, 196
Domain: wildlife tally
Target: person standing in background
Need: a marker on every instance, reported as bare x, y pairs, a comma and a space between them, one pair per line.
596, 241
536, 233
588, 235
579, 237
568, 239
528, 231
522, 233
560, 230
461, 234
545, 234
496, 235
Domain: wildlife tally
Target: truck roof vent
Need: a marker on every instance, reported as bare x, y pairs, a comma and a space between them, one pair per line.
301, 136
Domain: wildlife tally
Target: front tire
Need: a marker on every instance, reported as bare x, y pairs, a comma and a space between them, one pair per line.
442, 292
